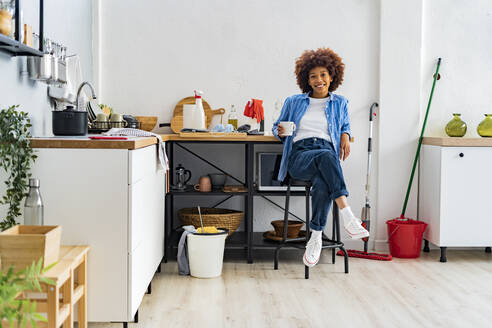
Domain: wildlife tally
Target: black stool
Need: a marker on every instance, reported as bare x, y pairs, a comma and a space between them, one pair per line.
333, 243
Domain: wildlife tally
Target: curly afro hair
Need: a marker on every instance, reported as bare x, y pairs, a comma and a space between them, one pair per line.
323, 57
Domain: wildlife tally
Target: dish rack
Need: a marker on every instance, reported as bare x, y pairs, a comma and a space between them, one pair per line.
98, 127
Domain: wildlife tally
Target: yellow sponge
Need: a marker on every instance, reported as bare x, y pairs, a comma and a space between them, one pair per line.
208, 230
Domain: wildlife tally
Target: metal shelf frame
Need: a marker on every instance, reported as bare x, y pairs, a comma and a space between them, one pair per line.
246, 240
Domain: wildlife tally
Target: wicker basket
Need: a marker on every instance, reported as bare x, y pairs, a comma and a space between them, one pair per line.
217, 217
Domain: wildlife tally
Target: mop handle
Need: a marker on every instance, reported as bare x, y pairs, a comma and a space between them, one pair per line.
436, 75
369, 150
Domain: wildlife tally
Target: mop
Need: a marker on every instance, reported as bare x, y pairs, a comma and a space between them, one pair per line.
366, 210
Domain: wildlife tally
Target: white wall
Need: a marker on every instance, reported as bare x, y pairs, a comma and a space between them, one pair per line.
459, 31
154, 53
400, 61
68, 22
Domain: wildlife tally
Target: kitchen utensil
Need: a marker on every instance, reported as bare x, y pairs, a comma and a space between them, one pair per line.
293, 228
205, 185
39, 68
90, 112
181, 178
288, 127
234, 188
218, 180
147, 123
69, 122
201, 221
116, 121
177, 119
273, 236
131, 121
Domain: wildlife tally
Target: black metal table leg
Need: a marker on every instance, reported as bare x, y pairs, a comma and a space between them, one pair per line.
426, 246
249, 206
443, 255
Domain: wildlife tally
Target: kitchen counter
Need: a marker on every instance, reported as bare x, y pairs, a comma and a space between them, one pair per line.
256, 138
457, 142
86, 143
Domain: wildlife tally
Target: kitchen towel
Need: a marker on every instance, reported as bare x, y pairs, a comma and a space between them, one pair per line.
163, 161
182, 258
254, 109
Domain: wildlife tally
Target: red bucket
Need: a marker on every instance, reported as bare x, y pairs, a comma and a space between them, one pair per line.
405, 237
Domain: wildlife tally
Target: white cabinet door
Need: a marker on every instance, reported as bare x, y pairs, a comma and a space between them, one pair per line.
146, 221
466, 218
86, 192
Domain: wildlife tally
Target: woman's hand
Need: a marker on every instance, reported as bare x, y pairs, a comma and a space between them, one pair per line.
344, 146
280, 130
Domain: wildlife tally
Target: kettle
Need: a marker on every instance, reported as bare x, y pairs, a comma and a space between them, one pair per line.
181, 179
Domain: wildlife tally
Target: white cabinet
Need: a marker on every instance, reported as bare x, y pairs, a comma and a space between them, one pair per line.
455, 196
113, 201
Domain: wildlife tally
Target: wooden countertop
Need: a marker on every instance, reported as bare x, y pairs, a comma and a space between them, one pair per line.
457, 142
176, 137
86, 143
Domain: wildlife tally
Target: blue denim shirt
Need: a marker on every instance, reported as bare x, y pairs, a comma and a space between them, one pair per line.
294, 108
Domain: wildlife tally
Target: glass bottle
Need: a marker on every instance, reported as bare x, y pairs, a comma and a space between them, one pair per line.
233, 117
33, 207
484, 129
456, 127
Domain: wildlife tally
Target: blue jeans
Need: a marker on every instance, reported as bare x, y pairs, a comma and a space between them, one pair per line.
315, 159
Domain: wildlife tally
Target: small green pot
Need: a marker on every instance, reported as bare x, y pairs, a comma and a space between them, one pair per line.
484, 129
456, 127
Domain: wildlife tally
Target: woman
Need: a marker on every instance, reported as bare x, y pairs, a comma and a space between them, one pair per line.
320, 140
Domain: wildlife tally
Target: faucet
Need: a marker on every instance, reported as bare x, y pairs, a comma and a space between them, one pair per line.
80, 90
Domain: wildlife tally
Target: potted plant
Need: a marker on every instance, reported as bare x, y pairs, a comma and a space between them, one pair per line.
16, 157
18, 312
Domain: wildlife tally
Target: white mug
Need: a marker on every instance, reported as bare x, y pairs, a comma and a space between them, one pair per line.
288, 127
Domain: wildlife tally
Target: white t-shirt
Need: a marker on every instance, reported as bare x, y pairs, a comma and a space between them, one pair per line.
313, 123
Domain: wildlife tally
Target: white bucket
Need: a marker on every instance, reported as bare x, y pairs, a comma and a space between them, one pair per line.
206, 253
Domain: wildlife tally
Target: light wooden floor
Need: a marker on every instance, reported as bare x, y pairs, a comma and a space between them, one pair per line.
402, 293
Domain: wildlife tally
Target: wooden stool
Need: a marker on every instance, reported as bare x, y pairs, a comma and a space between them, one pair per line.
72, 263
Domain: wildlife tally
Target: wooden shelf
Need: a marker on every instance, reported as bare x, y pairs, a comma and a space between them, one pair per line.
16, 48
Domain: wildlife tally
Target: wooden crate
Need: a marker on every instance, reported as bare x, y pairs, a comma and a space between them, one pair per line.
22, 244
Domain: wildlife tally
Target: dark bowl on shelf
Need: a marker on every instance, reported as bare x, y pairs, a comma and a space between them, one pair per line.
218, 180
293, 228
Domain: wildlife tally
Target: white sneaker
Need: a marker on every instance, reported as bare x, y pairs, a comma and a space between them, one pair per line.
313, 252
355, 229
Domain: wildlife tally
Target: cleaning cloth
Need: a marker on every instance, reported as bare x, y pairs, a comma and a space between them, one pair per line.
254, 109
161, 149
183, 261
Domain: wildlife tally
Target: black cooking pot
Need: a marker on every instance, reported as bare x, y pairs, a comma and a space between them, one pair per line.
69, 122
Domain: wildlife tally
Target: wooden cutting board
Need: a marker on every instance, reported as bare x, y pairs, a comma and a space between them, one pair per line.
177, 120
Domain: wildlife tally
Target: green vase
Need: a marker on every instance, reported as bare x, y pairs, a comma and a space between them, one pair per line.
484, 129
456, 127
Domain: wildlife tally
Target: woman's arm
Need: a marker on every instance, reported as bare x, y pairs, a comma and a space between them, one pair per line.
284, 116
345, 133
